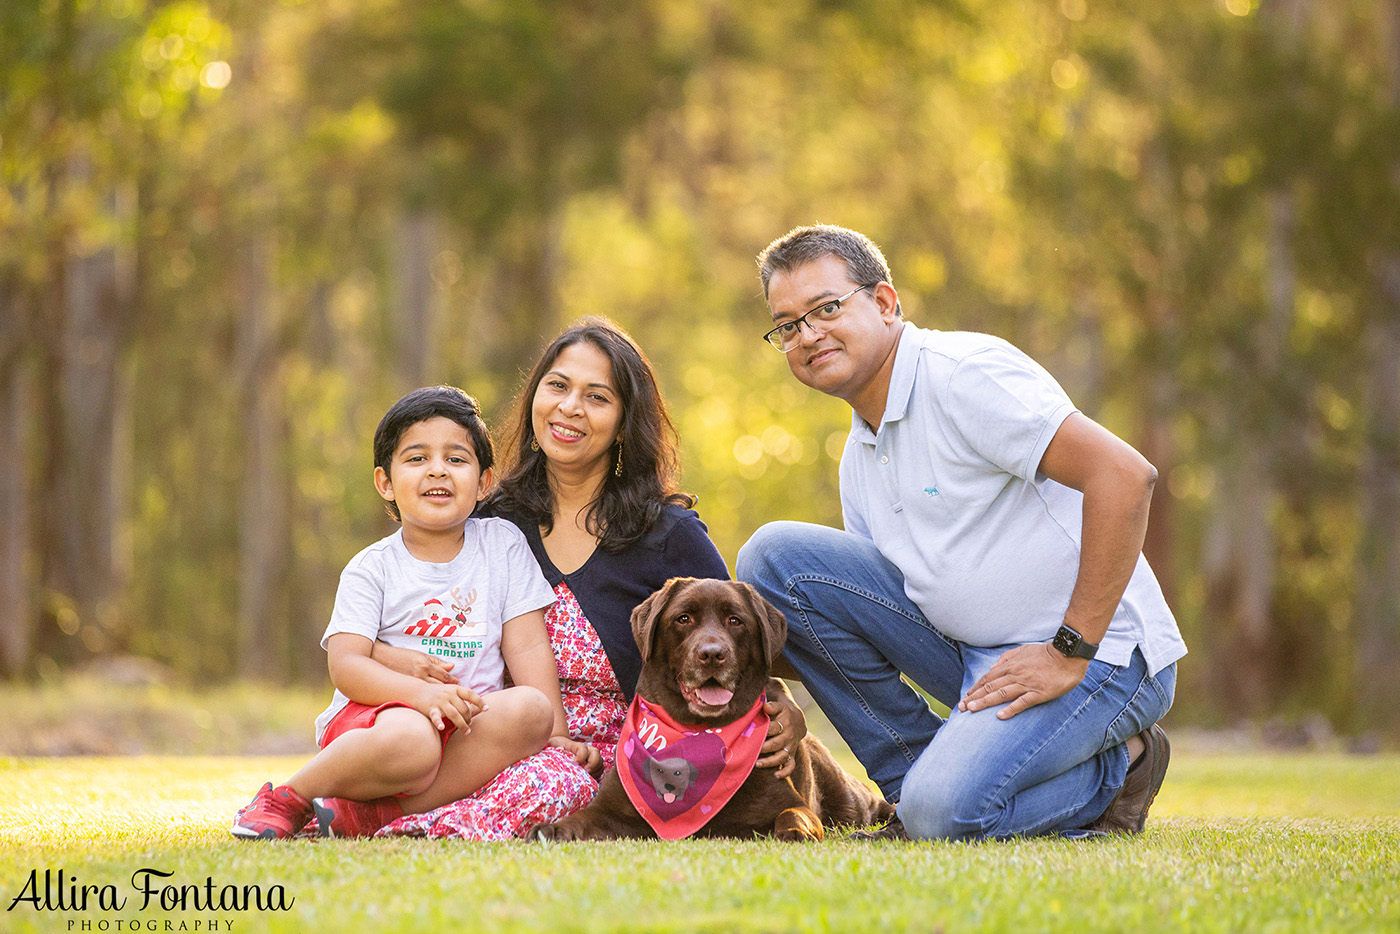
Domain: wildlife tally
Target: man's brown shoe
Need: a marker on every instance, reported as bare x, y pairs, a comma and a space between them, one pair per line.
1127, 812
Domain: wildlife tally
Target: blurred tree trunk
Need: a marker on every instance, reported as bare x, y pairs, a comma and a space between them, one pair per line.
76, 281
264, 506
16, 494
1378, 585
1159, 546
87, 329
1160, 396
1242, 574
524, 304
1239, 571
415, 311
532, 309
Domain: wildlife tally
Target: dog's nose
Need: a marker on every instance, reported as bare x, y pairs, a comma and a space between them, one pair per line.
713, 653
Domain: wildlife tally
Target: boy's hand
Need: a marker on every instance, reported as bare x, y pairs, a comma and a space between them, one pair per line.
584, 754
411, 663
449, 703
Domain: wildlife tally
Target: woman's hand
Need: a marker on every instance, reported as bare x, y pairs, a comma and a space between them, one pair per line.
786, 727
584, 754
411, 663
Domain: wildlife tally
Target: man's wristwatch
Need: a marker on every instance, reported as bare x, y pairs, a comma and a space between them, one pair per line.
1071, 644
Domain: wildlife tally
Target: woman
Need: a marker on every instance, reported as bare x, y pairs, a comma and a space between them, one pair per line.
590, 478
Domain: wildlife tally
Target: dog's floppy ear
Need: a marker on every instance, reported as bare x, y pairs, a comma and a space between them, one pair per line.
646, 614
772, 624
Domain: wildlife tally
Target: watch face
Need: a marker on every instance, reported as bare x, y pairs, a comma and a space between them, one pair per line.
1067, 640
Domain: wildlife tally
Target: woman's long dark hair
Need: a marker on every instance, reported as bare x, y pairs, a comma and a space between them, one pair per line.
628, 506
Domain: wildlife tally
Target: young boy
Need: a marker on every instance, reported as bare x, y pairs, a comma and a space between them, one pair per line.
466, 591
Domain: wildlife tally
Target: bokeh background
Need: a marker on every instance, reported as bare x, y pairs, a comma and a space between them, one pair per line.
233, 232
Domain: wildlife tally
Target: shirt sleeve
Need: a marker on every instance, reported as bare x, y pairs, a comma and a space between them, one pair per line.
526, 589
689, 552
1007, 408
359, 601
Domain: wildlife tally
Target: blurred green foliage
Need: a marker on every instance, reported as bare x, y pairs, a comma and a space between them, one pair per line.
1181, 211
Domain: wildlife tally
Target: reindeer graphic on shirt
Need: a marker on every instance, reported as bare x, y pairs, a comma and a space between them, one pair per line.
441, 623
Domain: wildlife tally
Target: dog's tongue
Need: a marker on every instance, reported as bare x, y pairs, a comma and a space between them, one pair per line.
714, 695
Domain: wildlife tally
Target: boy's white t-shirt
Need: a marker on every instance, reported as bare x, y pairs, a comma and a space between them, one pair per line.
453, 611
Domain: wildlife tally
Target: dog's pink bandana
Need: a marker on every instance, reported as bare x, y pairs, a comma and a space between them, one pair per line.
678, 777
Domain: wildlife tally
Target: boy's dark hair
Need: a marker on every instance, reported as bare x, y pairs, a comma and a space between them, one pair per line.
422, 404
629, 506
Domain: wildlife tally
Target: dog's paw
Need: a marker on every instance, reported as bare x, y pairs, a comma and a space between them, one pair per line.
559, 832
798, 825
542, 833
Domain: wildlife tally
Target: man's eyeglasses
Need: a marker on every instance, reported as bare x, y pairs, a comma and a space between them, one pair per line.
786, 336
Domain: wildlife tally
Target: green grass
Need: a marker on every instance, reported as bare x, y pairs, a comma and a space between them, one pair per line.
92, 714
1236, 843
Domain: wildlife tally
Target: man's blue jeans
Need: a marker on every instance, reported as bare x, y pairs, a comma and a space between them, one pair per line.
1052, 768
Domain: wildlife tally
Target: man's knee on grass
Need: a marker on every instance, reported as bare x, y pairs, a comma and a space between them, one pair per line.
946, 811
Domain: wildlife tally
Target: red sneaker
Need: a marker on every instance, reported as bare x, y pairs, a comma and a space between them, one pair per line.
274, 814
342, 817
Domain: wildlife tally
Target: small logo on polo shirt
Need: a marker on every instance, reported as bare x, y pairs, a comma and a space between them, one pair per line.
930, 491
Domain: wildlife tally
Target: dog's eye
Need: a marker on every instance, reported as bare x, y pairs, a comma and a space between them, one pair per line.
683, 618
735, 621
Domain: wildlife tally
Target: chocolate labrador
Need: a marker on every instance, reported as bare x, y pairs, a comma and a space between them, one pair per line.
706, 649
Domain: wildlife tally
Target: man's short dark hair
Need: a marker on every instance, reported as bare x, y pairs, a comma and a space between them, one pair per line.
865, 264
431, 402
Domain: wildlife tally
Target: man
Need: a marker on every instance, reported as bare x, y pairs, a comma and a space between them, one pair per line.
992, 554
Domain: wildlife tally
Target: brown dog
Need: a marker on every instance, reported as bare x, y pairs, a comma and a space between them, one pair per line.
706, 648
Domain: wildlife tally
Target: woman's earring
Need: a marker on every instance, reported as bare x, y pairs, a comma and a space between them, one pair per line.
617, 471
534, 445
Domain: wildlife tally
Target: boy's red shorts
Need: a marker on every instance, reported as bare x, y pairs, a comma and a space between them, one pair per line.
357, 716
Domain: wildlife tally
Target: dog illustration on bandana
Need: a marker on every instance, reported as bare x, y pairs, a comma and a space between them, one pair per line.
671, 778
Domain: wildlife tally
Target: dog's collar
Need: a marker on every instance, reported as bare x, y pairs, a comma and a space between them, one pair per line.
679, 777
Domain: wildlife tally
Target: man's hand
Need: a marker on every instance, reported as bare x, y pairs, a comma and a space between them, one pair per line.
1023, 677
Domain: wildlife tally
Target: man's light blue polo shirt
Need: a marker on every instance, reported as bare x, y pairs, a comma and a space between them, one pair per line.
948, 490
